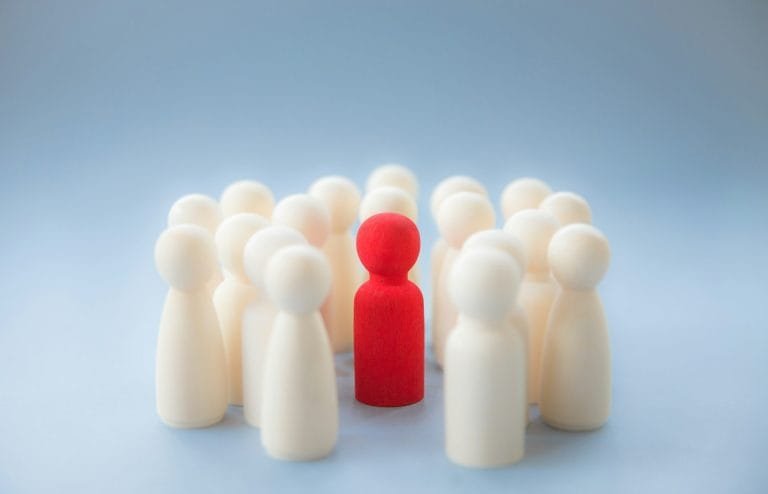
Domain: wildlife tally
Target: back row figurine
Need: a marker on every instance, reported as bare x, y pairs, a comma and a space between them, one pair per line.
262, 295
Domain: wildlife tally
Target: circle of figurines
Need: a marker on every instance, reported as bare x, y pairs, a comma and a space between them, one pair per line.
262, 295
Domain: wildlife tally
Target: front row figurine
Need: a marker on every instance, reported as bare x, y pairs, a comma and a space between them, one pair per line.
485, 375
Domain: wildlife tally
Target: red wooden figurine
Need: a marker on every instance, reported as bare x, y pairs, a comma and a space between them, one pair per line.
389, 315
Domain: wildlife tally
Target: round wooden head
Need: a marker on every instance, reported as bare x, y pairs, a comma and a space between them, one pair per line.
579, 255
340, 197
247, 196
499, 239
185, 256
484, 283
262, 246
231, 238
393, 175
463, 214
306, 214
534, 228
298, 278
568, 208
388, 244
523, 193
450, 186
388, 200
196, 209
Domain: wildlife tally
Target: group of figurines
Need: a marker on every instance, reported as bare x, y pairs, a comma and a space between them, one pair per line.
262, 295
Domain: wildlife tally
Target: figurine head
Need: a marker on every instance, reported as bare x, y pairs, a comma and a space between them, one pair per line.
534, 228
579, 255
298, 279
463, 214
568, 208
306, 214
388, 244
185, 257
393, 175
340, 197
196, 209
499, 239
523, 193
484, 283
231, 237
388, 199
262, 246
247, 196
450, 186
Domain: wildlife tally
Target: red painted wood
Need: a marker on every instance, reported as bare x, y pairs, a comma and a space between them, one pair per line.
389, 315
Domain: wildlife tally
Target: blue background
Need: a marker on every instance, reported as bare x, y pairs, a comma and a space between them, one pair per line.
657, 112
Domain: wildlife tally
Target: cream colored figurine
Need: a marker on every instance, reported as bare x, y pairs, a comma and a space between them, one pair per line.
342, 200
512, 246
485, 396
234, 293
447, 187
568, 208
460, 215
393, 175
537, 292
203, 211
247, 196
299, 415
260, 314
191, 372
576, 365
311, 218
387, 199
523, 193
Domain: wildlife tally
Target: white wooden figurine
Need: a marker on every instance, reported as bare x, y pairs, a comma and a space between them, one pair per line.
447, 187
191, 372
203, 211
259, 315
460, 215
576, 365
485, 396
235, 293
342, 200
535, 228
299, 414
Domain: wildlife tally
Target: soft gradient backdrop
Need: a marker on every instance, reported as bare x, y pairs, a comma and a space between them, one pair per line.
657, 112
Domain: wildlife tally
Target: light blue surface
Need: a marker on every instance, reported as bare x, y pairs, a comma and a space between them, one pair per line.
657, 113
